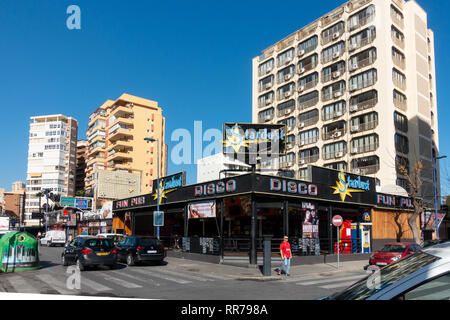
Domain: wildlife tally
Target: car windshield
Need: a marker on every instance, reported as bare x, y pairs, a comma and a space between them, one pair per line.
367, 287
393, 248
149, 242
98, 244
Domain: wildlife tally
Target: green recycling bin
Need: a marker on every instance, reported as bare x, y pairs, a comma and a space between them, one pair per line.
18, 252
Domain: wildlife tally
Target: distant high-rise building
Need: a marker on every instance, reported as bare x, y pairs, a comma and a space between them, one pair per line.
116, 133
357, 91
80, 174
18, 185
51, 159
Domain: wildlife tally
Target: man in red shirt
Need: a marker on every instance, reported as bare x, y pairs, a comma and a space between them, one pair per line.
285, 251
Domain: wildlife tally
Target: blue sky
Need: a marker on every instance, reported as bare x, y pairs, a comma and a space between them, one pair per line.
193, 57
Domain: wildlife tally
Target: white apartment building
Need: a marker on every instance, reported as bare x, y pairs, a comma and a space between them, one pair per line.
357, 91
212, 167
51, 159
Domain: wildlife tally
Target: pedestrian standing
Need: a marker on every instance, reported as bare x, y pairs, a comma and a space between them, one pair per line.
285, 251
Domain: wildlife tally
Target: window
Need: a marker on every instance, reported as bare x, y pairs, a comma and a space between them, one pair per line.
398, 58
308, 100
401, 122
436, 289
333, 32
287, 159
334, 130
308, 63
308, 82
397, 37
334, 150
337, 166
286, 91
285, 57
366, 165
399, 79
266, 67
334, 110
309, 118
396, 15
266, 114
289, 122
399, 100
334, 90
365, 144
334, 71
333, 52
307, 46
363, 101
363, 80
364, 122
266, 99
309, 136
361, 18
363, 59
285, 74
286, 107
266, 83
308, 156
401, 143
362, 38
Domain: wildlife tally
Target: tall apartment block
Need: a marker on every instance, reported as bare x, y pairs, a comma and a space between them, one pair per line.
116, 142
80, 174
357, 91
51, 158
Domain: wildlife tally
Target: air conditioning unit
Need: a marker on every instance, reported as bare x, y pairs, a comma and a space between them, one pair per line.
287, 94
268, 101
338, 114
268, 85
339, 154
268, 70
287, 111
290, 128
301, 124
268, 117
355, 128
356, 171
336, 74
336, 35
354, 108
354, 150
352, 46
301, 88
353, 67
337, 134
301, 53
337, 94
289, 145
302, 70
302, 142
302, 161
353, 87
335, 55
287, 76
287, 61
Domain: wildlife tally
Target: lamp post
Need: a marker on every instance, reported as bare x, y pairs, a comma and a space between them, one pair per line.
157, 177
435, 194
46, 209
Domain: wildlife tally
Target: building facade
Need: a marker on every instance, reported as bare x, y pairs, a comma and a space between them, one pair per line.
357, 91
80, 174
18, 186
219, 166
116, 133
51, 159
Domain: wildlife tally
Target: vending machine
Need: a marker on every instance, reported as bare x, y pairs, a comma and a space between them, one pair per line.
364, 233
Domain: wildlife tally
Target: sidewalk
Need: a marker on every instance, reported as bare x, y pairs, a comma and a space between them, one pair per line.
255, 274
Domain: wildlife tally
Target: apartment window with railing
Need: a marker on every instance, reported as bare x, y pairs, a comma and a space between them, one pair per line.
307, 46
117, 127
333, 32
399, 100
308, 82
287, 160
289, 122
333, 91
286, 91
285, 74
266, 83
334, 130
266, 67
363, 144
401, 122
308, 100
364, 122
362, 39
397, 37
401, 143
398, 58
336, 166
286, 108
285, 57
361, 18
308, 156
333, 71
308, 63
397, 16
290, 141
363, 80
362, 59
308, 137
333, 52
399, 79
334, 110
303, 174
266, 115
364, 101
365, 165
308, 118
97, 144
266, 99
100, 133
334, 150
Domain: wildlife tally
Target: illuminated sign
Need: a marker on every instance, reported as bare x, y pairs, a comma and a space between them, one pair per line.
215, 188
168, 184
345, 186
392, 201
293, 187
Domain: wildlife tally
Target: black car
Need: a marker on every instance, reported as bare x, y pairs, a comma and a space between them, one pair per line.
136, 249
89, 251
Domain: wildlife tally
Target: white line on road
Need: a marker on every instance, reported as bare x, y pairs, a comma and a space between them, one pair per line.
55, 284
93, 285
160, 276
123, 283
21, 285
329, 280
181, 273
148, 281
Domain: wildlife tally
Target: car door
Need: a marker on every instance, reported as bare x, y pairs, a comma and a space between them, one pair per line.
121, 248
69, 251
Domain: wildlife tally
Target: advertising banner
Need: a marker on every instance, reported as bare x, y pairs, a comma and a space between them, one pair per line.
310, 221
206, 209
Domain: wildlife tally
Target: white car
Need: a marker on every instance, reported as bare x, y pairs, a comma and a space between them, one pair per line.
54, 237
424, 275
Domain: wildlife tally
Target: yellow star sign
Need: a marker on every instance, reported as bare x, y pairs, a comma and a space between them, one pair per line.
236, 140
162, 192
342, 187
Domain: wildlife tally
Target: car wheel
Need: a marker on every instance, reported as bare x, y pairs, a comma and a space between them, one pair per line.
130, 260
80, 265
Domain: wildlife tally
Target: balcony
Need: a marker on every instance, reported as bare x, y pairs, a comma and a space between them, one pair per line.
307, 67
366, 170
399, 62
399, 83
122, 111
309, 140
361, 64
119, 155
290, 145
93, 152
309, 159
125, 121
287, 164
332, 37
365, 148
334, 134
399, 42
265, 86
97, 159
364, 105
307, 85
361, 23
334, 75
333, 94
363, 127
302, 105
285, 77
334, 154
266, 118
397, 20
117, 132
308, 122
333, 57
401, 104
360, 43
121, 144
286, 111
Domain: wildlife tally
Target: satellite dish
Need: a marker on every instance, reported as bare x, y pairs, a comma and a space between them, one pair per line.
394, 190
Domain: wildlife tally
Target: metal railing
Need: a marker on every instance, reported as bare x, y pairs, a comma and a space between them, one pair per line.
334, 94
363, 105
309, 159
361, 23
364, 126
334, 134
366, 170
360, 43
307, 85
308, 103
365, 148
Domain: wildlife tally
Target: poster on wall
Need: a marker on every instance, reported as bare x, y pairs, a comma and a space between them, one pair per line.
206, 209
310, 221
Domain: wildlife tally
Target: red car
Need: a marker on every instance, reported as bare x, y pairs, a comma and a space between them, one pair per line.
392, 252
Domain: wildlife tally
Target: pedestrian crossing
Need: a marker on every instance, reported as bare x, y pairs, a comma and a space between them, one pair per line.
106, 281
329, 281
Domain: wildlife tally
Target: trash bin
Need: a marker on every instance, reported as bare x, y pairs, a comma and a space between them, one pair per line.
18, 252
267, 263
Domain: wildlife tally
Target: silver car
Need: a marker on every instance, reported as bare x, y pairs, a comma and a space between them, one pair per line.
422, 276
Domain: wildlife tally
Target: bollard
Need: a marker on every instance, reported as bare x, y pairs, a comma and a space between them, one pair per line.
267, 266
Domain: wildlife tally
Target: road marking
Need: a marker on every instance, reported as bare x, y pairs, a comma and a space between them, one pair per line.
22, 285
55, 284
93, 285
161, 276
182, 274
148, 281
123, 283
329, 280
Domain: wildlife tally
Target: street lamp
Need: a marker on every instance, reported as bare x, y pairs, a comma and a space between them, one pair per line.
157, 177
435, 194
46, 209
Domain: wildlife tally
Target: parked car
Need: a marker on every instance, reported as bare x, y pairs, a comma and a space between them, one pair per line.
53, 237
423, 275
392, 252
88, 252
115, 237
138, 249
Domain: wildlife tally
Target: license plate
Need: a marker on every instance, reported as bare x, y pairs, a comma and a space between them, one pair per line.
381, 264
102, 253
152, 251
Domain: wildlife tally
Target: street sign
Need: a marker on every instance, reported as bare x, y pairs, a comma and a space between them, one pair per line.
158, 218
81, 203
65, 201
337, 220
